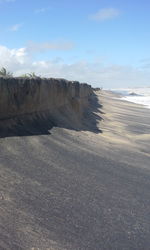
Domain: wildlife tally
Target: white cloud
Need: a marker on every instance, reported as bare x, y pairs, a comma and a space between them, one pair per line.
14, 58
145, 63
41, 10
105, 14
19, 62
33, 47
16, 27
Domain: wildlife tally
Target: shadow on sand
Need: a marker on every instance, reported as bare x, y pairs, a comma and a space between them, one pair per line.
42, 123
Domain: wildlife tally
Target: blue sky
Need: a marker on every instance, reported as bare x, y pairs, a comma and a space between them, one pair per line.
104, 43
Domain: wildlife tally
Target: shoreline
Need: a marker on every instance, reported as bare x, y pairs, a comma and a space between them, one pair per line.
136, 95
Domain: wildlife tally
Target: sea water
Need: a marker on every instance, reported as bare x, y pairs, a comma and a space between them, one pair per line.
136, 95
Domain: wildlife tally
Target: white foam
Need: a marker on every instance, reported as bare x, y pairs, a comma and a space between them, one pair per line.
142, 95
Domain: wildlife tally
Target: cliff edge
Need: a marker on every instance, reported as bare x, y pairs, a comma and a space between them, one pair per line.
35, 102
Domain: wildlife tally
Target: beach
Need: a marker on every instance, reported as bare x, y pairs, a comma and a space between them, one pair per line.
80, 188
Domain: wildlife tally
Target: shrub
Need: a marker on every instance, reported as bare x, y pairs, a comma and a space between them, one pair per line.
5, 73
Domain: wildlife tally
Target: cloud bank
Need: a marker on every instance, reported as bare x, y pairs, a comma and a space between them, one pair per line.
20, 61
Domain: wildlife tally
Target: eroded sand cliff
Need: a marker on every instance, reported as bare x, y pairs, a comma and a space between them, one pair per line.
35, 100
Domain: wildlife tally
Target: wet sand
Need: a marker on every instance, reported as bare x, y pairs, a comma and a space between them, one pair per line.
86, 189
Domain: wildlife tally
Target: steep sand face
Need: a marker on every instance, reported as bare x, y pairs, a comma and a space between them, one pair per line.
20, 96
23, 100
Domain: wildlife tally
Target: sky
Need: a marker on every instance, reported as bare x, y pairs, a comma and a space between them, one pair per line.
105, 43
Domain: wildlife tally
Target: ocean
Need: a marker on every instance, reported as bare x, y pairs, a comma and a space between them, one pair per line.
136, 95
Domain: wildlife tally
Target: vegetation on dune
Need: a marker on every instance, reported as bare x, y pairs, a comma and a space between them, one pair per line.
5, 73
30, 75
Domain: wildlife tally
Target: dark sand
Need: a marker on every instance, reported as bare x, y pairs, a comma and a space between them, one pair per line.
79, 189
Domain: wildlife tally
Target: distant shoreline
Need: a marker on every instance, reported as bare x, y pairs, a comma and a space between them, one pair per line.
135, 95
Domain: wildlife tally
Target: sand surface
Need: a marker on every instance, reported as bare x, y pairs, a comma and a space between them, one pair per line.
79, 189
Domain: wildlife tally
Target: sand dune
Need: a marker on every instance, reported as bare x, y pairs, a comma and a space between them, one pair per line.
85, 186
34, 105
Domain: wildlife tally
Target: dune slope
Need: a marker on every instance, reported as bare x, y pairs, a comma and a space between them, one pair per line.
84, 188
